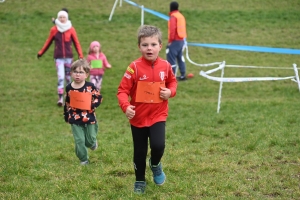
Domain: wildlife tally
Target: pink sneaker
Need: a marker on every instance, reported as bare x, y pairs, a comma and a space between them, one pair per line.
60, 102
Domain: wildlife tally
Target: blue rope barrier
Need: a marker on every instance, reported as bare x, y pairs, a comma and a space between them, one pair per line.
248, 48
225, 46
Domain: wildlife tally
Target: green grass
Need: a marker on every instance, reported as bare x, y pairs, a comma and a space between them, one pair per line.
250, 150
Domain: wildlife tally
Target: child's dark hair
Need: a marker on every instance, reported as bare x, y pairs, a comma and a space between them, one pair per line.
65, 9
81, 63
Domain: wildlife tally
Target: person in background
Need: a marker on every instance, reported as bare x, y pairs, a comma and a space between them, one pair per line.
176, 40
63, 35
143, 96
98, 63
82, 117
57, 22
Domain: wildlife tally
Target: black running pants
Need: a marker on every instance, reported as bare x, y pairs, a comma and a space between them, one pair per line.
156, 135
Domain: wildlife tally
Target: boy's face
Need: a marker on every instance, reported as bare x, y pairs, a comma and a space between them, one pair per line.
79, 75
62, 19
150, 47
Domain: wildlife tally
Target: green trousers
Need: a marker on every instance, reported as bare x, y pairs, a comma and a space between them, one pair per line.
84, 137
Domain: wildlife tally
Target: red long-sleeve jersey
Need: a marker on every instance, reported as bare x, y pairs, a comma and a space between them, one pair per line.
146, 114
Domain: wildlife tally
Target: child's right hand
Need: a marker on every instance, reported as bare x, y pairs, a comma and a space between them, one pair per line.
130, 112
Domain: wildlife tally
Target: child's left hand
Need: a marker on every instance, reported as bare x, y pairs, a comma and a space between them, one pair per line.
164, 93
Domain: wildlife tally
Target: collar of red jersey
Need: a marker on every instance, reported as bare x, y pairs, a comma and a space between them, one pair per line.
150, 62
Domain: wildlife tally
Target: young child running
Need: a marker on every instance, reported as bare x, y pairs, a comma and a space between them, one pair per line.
98, 62
64, 35
149, 82
82, 98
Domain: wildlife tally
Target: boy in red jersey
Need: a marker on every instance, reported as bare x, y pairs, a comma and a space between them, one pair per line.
149, 82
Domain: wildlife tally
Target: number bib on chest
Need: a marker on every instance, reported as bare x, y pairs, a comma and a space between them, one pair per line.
81, 100
96, 63
148, 92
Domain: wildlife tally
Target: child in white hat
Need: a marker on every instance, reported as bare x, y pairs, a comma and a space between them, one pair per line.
64, 35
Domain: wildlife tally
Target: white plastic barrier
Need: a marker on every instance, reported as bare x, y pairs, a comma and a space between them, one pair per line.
222, 79
185, 48
130, 2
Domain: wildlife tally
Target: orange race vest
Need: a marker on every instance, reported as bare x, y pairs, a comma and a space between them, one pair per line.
181, 25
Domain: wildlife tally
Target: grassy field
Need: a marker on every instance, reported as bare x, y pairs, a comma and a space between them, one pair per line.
250, 150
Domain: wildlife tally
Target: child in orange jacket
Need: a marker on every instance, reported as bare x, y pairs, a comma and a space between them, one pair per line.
64, 35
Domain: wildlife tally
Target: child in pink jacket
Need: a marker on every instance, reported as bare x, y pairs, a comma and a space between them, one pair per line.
98, 62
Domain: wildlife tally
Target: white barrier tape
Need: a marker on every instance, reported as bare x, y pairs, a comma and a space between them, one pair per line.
221, 66
197, 64
243, 66
296, 75
244, 79
294, 80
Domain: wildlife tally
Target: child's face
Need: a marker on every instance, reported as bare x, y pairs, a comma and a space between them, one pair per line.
150, 47
62, 19
79, 75
96, 49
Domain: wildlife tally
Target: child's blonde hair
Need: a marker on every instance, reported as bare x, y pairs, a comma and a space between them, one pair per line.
81, 63
149, 31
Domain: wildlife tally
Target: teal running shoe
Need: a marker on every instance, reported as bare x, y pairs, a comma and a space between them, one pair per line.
159, 176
